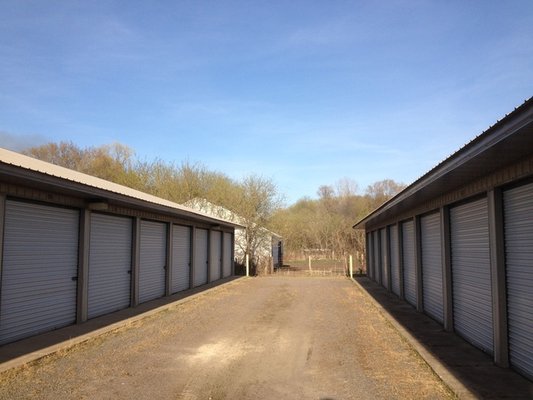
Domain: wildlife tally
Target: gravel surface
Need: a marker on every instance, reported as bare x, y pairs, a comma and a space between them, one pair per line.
260, 338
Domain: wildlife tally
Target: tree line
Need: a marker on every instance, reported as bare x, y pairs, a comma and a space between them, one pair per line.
323, 227
320, 227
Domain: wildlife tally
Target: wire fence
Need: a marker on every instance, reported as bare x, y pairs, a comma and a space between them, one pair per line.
315, 268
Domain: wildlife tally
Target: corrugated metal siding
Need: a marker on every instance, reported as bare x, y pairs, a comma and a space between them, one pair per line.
181, 257
109, 286
472, 293
228, 256
369, 260
216, 253
518, 216
152, 260
40, 260
200, 257
409, 267
377, 268
394, 259
432, 266
384, 270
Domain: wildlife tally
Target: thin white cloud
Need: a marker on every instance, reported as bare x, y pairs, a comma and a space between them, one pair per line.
14, 142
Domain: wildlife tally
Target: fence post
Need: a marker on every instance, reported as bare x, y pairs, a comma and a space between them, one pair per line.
351, 267
247, 265
310, 269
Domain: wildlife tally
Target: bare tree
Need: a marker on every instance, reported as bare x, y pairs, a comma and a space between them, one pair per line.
258, 199
383, 190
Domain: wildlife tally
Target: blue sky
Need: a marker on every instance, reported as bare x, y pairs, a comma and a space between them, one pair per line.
304, 92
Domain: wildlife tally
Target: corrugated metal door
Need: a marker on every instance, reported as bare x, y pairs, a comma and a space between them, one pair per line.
39, 270
409, 267
275, 252
153, 260
377, 268
181, 257
228, 256
472, 294
432, 266
384, 270
200, 257
394, 259
109, 264
518, 214
216, 252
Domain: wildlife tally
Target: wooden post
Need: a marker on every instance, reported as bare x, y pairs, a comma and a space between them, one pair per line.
247, 265
310, 269
351, 267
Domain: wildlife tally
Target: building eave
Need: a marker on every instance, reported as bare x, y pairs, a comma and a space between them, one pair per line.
507, 141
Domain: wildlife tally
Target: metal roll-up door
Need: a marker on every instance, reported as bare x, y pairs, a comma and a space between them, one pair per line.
109, 286
39, 269
228, 255
394, 259
518, 217
181, 257
472, 294
216, 253
409, 267
200, 257
377, 267
384, 270
153, 258
430, 234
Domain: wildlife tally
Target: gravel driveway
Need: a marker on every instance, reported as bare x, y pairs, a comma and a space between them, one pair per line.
259, 338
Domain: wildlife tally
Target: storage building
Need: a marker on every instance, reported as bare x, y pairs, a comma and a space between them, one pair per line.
457, 244
74, 247
268, 245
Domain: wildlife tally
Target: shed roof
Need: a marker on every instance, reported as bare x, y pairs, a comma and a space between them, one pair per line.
21, 169
507, 141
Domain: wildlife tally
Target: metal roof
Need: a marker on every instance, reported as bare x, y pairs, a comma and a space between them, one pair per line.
46, 175
507, 141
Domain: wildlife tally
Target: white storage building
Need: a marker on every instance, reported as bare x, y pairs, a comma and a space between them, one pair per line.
74, 247
457, 244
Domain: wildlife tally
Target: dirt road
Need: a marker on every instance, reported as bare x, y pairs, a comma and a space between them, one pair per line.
260, 338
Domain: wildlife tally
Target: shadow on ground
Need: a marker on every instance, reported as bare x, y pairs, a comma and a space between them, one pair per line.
43, 342
469, 365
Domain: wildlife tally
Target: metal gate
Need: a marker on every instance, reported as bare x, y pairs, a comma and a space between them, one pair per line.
181, 257
472, 295
384, 270
109, 286
394, 259
153, 258
409, 267
228, 256
518, 217
39, 269
200, 257
432, 288
215, 248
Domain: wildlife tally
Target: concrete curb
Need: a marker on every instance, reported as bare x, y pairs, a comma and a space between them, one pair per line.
455, 385
34, 356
